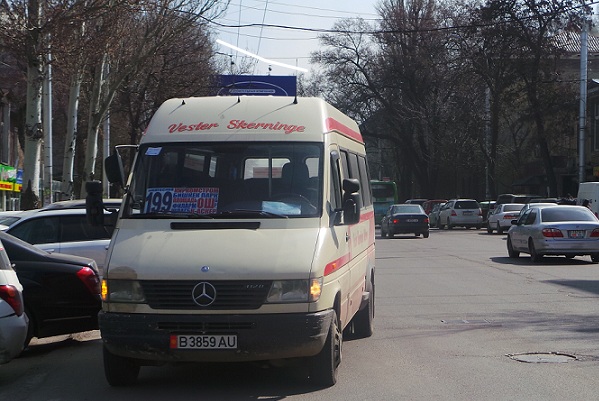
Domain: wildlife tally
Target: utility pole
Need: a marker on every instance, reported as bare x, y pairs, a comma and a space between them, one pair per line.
583, 98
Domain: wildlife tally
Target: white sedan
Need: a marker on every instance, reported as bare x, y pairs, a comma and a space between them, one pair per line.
501, 217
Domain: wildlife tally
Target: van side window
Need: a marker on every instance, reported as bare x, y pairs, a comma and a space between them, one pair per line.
344, 165
364, 181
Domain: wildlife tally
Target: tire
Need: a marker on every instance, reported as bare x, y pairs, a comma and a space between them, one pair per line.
489, 229
363, 321
534, 255
499, 229
595, 257
426, 234
510, 249
119, 371
325, 364
449, 226
30, 328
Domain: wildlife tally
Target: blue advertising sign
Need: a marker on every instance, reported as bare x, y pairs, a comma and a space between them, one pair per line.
256, 85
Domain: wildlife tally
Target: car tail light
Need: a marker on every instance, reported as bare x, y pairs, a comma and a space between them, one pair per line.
552, 233
426, 220
453, 213
395, 221
595, 233
13, 297
509, 216
90, 279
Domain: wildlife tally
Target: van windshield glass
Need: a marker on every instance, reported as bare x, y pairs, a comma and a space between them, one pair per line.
227, 180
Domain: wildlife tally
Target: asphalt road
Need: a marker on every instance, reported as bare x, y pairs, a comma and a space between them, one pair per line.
456, 319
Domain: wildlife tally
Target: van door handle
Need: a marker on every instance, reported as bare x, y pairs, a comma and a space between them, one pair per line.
346, 236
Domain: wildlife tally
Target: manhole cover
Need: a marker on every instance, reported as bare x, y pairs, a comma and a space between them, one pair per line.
542, 357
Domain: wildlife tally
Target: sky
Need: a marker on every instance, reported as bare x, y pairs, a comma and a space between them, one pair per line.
287, 46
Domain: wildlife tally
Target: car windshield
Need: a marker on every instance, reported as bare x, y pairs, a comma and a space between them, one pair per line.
549, 215
512, 208
406, 209
226, 180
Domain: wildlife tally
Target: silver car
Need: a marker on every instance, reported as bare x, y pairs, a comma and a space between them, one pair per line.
555, 230
460, 212
13, 320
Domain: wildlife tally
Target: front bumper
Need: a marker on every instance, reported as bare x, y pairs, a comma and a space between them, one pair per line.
259, 337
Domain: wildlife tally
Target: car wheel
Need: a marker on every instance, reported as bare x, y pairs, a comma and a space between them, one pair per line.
534, 255
510, 249
383, 233
595, 257
119, 371
363, 321
426, 234
324, 366
449, 226
499, 229
489, 229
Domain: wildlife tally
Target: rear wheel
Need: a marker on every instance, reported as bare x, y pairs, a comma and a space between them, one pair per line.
499, 229
324, 365
534, 255
510, 249
119, 371
426, 234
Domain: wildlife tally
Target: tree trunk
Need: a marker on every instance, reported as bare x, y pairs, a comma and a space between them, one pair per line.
33, 119
70, 138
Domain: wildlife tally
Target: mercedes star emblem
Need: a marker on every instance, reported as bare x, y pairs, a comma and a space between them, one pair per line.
203, 294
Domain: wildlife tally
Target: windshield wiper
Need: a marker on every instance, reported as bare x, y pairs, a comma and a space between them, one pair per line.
249, 213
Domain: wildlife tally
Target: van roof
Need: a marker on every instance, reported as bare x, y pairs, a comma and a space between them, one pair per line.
254, 118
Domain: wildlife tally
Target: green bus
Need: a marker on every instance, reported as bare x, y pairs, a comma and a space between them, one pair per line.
384, 194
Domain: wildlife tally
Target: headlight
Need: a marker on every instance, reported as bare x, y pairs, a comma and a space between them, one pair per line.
122, 291
289, 291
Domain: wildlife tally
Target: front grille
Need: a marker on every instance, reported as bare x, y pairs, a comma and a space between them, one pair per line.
177, 294
205, 327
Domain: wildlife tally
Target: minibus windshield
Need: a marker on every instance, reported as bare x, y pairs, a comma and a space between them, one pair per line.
226, 180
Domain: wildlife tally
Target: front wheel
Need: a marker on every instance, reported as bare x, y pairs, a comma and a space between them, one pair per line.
325, 364
119, 371
363, 321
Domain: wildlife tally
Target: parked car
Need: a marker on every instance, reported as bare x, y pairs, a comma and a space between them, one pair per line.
529, 205
433, 216
405, 219
486, 207
61, 292
112, 203
62, 230
429, 204
13, 320
461, 212
415, 201
501, 217
555, 230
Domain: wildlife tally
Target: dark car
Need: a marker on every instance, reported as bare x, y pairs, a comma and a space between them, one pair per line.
61, 292
405, 219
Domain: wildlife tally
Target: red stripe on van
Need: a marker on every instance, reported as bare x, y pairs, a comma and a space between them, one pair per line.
336, 265
334, 125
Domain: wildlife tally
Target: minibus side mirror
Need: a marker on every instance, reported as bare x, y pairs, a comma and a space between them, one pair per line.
113, 167
351, 201
94, 205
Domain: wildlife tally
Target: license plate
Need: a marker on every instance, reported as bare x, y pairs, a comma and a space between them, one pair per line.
412, 220
467, 213
202, 341
576, 234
